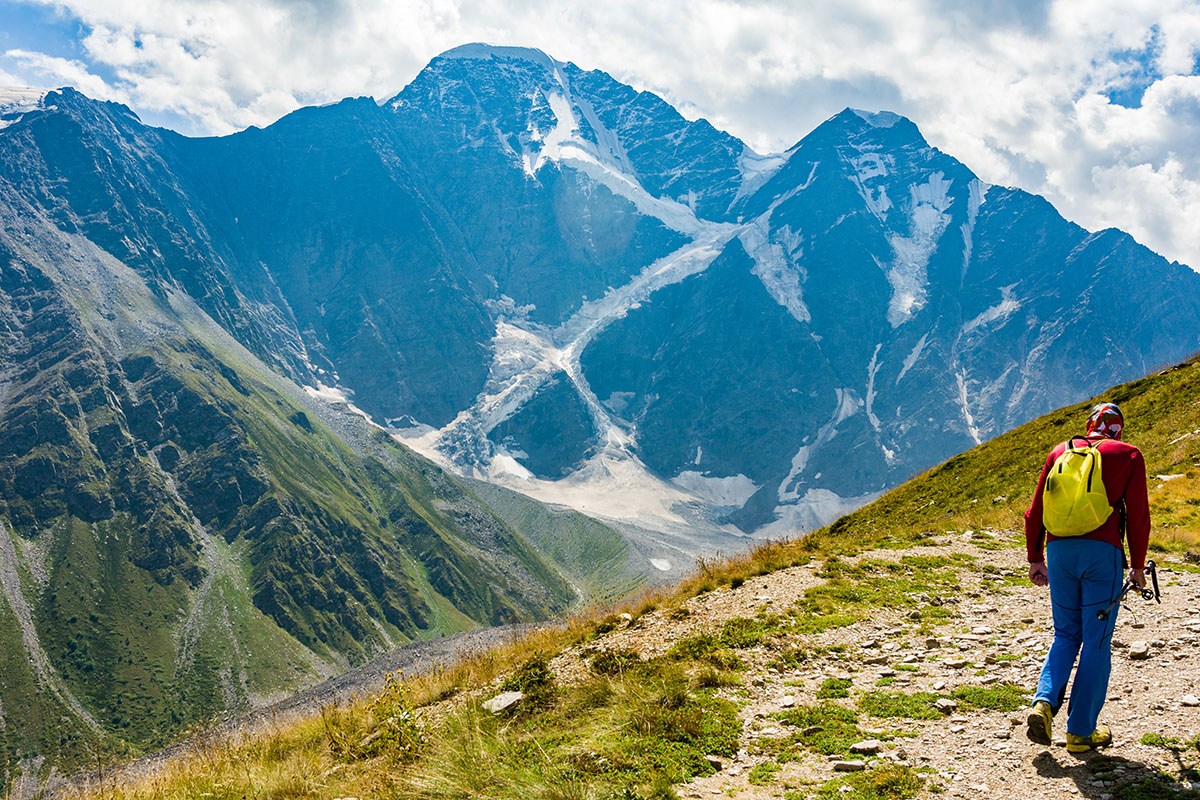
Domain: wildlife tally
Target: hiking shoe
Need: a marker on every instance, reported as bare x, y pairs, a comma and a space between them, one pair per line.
1040, 723
1081, 744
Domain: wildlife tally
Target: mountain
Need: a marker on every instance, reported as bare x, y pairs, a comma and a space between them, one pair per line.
184, 529
780, 338
235, 370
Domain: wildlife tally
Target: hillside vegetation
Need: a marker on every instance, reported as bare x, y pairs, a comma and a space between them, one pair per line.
637, 706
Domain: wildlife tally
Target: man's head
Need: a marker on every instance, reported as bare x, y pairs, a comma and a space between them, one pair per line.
1106, 420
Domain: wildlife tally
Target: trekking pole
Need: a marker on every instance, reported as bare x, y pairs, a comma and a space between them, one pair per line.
1146, 593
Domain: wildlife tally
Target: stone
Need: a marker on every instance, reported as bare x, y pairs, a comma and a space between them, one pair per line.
868, 747
1190, 700
1027, 620
887, 673
716, 762
980, 630
945, 705
957, 663
932, 643
626, 618
788, 701
911, 659
990, 658
876, 660
1137, 625
503, 701
813, 730
1003, 733
939, 685
1139, 650
849, 766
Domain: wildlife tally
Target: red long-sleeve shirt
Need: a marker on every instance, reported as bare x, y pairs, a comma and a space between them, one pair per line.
1124, 472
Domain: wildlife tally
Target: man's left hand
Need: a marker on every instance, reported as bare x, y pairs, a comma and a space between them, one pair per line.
1038, 575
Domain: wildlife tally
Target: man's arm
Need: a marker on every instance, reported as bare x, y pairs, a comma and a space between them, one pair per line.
1137, 510
1035, 531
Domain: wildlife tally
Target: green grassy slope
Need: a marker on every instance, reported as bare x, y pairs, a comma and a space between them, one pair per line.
191, 532
593, 556
992, 484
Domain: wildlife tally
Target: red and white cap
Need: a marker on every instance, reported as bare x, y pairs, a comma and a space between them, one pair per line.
1107, 420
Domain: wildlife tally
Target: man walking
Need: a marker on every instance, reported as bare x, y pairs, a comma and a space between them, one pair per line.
1081, 526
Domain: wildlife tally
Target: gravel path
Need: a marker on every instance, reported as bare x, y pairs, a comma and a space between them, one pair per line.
974, 754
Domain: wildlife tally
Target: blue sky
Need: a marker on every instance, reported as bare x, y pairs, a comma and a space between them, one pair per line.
1093, 103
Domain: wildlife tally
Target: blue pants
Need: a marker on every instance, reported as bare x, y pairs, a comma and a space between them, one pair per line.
1085, 576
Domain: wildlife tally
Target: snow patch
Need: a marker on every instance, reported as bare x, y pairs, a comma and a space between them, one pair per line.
777, 255
339, 395
966, 408
16, 101
731, 491
1001, 311
976, 193
878, 119
756, 170
907, 272
660, 564
911, 358
483, 50
872, 368
816, 509
846, 405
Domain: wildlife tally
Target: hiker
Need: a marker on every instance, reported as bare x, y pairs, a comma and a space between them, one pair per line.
1084, 566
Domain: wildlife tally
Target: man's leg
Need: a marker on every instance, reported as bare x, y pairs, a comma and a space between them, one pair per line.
1101, 581
1066, 602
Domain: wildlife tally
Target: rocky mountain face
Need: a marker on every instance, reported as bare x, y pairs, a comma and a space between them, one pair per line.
184, 530
533, 275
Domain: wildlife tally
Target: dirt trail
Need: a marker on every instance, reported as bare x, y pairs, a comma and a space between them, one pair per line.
976, 753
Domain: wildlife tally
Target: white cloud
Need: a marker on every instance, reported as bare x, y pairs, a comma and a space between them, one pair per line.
1014, 88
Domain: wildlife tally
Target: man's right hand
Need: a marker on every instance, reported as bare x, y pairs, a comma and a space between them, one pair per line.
1038, 575
1138, 576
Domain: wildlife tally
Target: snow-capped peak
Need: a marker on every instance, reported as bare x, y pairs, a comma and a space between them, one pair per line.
483, 50
18, 100
878, 119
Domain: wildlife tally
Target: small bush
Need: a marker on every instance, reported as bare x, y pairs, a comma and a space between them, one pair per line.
892, 705
827, 729
888, 782
535, 679
763, 774
1004, 697
615, 662
834, 687
711, 678
386, 726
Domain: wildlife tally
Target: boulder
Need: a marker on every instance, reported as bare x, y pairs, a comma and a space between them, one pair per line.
503, 701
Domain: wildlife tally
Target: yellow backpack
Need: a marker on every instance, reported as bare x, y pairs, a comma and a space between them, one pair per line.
1074, 501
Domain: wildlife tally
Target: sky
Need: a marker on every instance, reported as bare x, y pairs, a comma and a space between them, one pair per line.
1094, 104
